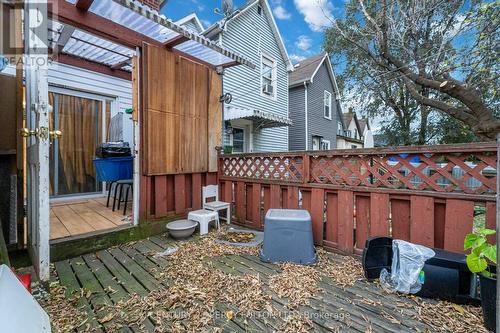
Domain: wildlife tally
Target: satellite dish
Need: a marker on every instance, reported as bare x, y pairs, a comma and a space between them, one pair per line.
368, 141
227, 7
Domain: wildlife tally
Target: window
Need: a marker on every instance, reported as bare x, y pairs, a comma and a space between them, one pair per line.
328, 105
339, 128
238, 140
355, 134
268, 77
325, 145
354, 146
259, 10
316, 140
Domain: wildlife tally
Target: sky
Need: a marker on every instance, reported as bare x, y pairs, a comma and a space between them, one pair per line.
300, 22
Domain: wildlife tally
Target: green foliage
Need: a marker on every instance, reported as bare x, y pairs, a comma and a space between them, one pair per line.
447, 39
481, 252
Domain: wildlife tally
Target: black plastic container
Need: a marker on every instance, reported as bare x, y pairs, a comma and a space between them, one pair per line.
377, 255
489, 299
113, 149
447, 276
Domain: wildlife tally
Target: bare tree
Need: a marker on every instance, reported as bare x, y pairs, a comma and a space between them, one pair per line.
444, 52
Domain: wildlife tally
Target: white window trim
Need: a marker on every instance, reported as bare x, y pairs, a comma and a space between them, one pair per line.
329, 106
244, 138
274, 80
327, 142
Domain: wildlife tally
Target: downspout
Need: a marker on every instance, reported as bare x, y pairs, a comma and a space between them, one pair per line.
305, 115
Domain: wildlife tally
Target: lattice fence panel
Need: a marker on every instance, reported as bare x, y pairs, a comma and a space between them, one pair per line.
471, 173
266, 167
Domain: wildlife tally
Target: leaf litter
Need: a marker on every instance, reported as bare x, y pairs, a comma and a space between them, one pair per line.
197, 287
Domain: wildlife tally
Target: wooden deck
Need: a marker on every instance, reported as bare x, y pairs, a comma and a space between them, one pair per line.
131, 268
77, 217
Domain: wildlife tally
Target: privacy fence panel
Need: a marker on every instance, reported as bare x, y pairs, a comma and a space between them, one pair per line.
427, 195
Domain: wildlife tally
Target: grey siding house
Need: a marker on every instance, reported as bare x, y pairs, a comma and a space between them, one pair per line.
257, 117
314, 105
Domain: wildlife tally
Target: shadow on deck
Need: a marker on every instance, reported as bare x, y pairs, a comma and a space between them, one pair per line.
105, 281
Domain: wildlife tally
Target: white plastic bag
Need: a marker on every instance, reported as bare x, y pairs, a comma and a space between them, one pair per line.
407, 261
168, 251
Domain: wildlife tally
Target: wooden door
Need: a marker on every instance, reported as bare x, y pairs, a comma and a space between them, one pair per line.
37, 157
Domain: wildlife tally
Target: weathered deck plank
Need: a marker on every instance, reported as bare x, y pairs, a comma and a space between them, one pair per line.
110, 276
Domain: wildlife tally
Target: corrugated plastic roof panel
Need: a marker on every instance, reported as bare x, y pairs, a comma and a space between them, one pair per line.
88, 46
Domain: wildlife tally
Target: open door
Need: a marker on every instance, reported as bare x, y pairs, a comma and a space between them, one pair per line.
37, 136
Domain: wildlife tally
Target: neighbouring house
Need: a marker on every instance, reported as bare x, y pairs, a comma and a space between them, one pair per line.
192, 23
257, 117
352, 134
314, 105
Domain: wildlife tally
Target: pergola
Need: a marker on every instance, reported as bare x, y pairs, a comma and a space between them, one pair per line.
102, 35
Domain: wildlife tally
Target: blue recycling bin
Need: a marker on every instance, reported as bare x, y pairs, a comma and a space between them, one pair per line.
112, 169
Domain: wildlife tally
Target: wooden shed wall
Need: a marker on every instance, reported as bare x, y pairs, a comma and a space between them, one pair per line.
182, 120
181, 125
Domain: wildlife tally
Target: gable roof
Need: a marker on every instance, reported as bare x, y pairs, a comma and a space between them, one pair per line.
220, 26
191, 18
348, 117
363, 123
307, 69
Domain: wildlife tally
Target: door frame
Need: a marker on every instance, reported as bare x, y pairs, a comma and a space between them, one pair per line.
93, 96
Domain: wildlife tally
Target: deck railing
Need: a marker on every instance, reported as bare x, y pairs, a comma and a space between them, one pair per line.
424, 194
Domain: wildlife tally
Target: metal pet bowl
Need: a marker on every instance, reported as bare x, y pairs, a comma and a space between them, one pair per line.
181, 228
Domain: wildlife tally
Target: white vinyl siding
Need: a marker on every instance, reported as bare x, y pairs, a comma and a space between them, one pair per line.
327, 101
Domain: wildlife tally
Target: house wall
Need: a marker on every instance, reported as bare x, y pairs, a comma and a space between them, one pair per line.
79, 79
318, 125
250, 34
296, 132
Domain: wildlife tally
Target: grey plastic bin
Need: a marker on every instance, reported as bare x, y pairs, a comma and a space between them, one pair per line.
288, 237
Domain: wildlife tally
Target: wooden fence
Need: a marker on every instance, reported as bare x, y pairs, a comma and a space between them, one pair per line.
425, 194
172, 195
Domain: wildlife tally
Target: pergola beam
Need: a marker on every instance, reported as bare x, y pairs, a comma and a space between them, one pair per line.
120, 64
64, 36
65, 12
84, 5
183, 31
92, 66
175, 41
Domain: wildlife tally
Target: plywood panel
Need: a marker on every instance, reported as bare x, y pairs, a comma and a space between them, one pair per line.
214, 119
346, 221
317, 214
182, 121
491, 217
362, 220
458, 223
379, 214
400, 218
422, 220
332, 225
8, 111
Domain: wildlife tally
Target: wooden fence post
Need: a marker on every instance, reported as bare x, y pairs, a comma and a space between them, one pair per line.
346, 221
306, 162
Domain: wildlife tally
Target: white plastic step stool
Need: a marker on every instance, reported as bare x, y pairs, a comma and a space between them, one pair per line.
204, 217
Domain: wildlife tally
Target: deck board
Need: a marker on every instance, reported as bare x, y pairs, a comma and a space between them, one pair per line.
77, 217
114, 274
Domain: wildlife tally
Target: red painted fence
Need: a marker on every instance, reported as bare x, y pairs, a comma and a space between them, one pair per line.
172, 195
425, 194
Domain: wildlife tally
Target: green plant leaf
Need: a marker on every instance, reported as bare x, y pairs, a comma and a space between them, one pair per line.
469, 241
490, 252
473, 241
475, 263
486, 232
